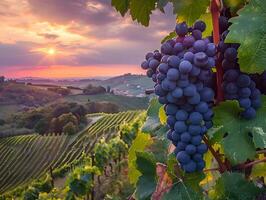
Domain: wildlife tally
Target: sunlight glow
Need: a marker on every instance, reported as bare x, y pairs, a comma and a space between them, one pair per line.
51, 51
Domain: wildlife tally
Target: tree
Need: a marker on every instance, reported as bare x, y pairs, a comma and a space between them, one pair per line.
90, 90
70, 128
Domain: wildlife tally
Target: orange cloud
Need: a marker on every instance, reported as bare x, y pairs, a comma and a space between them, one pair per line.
74, 72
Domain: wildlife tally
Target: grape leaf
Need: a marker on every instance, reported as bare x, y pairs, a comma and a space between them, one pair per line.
169, 36
152, 122
181, 192
121, 6
238, 145
147, 181
258, 170
162, 115
190, 10
141, 10
235, 186
259, 137
139, 144
249, 29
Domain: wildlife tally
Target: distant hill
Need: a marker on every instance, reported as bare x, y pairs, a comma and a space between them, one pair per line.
127, 84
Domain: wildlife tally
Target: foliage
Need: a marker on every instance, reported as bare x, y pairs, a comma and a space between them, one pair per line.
238, 144
139, 144
91, 89
190, 10
234, 186
146, 184
152, 122
250, 22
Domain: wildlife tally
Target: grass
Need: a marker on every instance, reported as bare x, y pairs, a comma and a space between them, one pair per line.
124, 102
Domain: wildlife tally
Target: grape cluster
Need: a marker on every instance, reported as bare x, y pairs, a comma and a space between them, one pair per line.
184, 77
236, 84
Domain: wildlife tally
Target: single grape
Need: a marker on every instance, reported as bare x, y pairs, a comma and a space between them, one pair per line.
194, 130
199, 25
195, 118
190, 90
202, 148
185, 67
199, 46
163, 68
180, 127
202, 107
177, 92
244, 103
190, 167
249, 113
173, 61
181, 29
191, 149
185, 137
196, 140
243, 81
207, 94
188, 41
171, 109
173, 74
181, 115
183, 157
168, 85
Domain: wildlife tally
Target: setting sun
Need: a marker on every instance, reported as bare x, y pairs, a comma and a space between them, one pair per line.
51, 51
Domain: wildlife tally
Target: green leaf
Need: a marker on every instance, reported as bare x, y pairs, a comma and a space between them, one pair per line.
147, 181
162, 115
258, 170
161, 133
141, 142
193, 179
235, 186
152, 122
238, 145
171, 163
181, 192
249, 29
259, 137
78, 187
141, 10
121, 6
169, 36
215, 134
190, 10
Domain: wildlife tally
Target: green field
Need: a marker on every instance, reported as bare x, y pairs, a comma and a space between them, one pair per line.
25, 158
124, 102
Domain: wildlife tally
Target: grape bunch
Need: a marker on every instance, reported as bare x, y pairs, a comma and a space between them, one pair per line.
183, 78
236, 84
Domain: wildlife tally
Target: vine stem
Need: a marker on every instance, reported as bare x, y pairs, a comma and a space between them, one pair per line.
215, 11
244, 166
222, 166
261, 151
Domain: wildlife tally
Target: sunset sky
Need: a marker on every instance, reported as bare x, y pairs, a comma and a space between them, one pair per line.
74, 38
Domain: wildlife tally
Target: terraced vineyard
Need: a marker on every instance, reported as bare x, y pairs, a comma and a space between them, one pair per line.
24, 158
